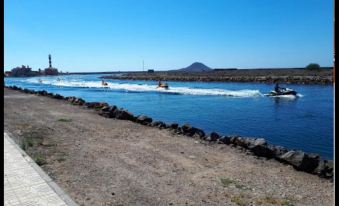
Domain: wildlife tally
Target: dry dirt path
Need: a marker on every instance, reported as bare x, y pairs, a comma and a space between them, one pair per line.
100, 161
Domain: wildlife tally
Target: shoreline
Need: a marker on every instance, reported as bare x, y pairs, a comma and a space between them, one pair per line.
301, 161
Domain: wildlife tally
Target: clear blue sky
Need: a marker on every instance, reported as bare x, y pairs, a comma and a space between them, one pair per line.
167, 34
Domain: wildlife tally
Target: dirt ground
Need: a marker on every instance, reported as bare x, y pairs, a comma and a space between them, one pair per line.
101, 161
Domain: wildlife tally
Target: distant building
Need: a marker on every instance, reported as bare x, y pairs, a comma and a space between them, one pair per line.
23, 71
150, 71
50, 70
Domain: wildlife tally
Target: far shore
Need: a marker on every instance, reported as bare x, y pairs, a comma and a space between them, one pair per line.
296, 76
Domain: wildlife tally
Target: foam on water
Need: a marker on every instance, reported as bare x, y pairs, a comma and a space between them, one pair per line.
127, 87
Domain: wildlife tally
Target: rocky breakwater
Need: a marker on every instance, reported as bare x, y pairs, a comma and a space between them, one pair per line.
295, 76
301, 161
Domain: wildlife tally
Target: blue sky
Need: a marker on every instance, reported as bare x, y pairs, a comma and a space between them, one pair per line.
117, 35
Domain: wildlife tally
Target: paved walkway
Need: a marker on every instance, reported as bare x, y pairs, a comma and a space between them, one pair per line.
25, 183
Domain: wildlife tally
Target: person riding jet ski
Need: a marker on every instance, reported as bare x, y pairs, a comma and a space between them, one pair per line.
281, 91
278, 89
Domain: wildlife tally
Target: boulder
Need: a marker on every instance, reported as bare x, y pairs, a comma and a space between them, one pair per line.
301, 161
123, 114
105, 108
143, 119
70, 99
94, 105
198, 132
108, 111
49, 94
259, 147
224, 140
178, 130
325, 169
233, 139
278, 151
213, 137
79, 101
186, 128
174, 126
192, 131
57, 96
43, 93
158, 124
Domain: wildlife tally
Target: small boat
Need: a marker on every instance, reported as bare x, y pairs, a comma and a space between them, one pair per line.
162, 85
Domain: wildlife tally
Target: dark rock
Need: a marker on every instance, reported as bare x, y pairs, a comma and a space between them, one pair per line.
224, 140
198, 132
158, 124
79, 101
213, 137
70, 99
244, 142
259, 147
192, 131
278, 151
105, 108
186, 128
50, 94
57, 96
95, 105
301, 161
178, 130
325, 169
174, 126
233, 139
123, 114
43, 93
143, 119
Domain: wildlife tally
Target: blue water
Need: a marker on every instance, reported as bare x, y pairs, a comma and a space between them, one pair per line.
304, 123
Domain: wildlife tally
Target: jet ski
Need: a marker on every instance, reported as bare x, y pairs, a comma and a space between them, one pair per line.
103, 83
162, 85
282, 92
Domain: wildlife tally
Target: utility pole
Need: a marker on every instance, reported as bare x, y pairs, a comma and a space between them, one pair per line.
143, 66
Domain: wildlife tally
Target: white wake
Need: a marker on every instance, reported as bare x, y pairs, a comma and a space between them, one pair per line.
151, 88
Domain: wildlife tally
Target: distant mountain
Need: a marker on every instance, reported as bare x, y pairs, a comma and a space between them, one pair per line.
196, 67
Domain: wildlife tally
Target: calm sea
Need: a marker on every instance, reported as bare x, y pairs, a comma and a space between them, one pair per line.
305, 122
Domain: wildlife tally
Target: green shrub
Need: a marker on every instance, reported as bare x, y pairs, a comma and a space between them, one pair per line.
313, 67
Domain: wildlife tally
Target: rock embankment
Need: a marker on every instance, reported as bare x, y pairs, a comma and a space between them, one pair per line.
301, 161
297, 76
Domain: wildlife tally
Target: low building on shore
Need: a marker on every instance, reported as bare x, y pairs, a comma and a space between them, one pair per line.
23, 71
51, 71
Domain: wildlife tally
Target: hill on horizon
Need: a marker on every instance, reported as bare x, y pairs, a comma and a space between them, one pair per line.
196, 67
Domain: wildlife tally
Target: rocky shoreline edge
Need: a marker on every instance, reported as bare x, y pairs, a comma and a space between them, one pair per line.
301, 161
